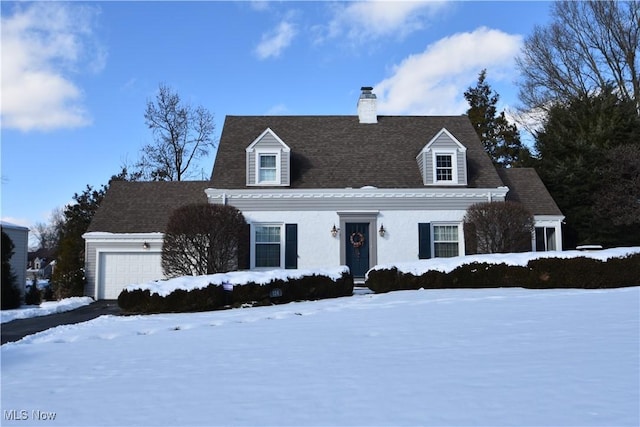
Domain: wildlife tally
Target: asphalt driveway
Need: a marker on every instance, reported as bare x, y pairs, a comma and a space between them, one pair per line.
20, 328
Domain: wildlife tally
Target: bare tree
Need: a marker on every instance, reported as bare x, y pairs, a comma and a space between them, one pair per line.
498, 227
588, 45
48, 234
203, 239
182, 134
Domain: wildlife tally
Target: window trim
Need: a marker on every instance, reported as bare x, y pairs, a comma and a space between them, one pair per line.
253, 242
276, 156
553, 239
454, 167
460, 240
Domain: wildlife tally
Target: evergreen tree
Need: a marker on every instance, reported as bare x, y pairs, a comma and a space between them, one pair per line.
500, 138
576, 147
68, 277
10, 297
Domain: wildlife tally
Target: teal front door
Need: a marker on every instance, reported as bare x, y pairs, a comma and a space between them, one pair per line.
357, 248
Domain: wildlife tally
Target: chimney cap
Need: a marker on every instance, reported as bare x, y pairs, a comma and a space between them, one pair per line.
366, 93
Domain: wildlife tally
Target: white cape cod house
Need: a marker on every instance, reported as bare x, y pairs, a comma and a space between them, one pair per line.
322, 191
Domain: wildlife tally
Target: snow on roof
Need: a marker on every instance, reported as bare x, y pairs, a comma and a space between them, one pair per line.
5, 224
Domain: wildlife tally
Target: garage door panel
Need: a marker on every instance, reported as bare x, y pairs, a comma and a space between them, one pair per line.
120, 269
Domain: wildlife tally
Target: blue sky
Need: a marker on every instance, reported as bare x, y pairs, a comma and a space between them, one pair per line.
76, 77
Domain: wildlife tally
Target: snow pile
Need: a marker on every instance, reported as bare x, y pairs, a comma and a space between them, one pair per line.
237, 278
430, 358
446, 265
44, 309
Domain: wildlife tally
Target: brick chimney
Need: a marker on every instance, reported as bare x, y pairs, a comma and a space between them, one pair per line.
367, 109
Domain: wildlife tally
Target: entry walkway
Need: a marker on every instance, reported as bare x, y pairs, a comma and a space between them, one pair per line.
20, 328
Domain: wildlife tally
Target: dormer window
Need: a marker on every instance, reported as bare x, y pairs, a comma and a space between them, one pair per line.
268, 169
268, 161
443, 161
444, 167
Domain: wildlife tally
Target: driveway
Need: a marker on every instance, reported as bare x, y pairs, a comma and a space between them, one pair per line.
20, 328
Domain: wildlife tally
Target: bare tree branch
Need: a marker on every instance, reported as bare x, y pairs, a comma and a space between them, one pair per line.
182, 135
589, 44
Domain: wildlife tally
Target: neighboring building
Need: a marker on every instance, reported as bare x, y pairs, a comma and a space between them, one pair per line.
40, 264
322, 191
20, 237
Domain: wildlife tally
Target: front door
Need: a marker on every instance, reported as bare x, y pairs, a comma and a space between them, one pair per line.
356, 241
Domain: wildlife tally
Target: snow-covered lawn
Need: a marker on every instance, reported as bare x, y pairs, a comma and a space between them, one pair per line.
45, 308
437, 357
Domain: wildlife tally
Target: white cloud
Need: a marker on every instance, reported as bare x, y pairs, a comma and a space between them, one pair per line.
259, 5
274, 42
359, 22
434, 81
43, 45
278, 109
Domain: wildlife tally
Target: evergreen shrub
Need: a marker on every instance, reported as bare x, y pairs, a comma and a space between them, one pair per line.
542, 273
212, 297
33, 295
10, 297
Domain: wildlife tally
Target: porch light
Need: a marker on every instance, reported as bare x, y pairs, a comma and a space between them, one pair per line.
334, 231
382, 230
145, 245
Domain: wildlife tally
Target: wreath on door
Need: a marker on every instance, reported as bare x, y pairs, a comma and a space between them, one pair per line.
356, 239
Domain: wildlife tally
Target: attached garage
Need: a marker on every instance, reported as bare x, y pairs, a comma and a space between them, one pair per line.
119, 269
123, 243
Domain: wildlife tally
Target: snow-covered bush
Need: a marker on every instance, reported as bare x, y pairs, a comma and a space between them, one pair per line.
536, 273
278, 289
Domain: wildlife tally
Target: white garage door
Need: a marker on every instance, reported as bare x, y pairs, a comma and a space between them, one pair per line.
118, 270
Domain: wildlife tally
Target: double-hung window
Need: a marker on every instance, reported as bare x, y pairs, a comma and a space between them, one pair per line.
444, 168
445, 241
268, 246
267, 168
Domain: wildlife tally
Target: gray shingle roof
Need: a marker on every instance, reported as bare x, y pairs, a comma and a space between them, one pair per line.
327, 152
526, 187
339, 152
144, 207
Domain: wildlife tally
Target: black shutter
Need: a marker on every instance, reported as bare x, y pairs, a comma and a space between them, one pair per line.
424, 240
244, 249
291, 246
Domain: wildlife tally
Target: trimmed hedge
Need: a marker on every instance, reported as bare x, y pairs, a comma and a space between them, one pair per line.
542, 273
213, 296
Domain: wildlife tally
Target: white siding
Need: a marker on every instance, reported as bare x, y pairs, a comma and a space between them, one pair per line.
20, 238
98, 244
317, 248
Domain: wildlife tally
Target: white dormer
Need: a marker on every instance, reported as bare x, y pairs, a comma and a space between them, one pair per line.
268, 161
443, 161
